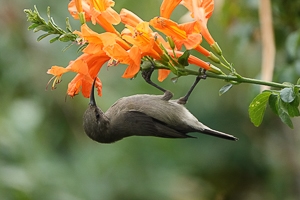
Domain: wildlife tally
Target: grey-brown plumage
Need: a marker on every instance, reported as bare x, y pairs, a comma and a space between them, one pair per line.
143, 115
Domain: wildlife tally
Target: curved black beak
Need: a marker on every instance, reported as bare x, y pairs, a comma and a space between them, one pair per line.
92, 96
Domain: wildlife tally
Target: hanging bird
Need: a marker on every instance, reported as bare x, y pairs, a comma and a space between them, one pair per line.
144, 115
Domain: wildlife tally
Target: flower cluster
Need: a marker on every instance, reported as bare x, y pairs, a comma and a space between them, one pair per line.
136, 43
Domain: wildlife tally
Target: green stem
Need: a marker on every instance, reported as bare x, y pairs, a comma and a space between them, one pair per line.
246, 80
237, 79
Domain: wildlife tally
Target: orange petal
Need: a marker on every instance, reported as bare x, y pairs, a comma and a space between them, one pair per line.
81, 84
163, 74
202, 50
168, 27
87, 86
201, 11
88, 34
57, 70
205, 33
112, 16
78, 4
167, 7
105, 24
192, 41
182, 34
74, 9
134, 64
80, 67
116, 52
129, 18
75, 85
104, 15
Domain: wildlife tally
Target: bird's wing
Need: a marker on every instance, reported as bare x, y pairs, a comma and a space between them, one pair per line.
144, 125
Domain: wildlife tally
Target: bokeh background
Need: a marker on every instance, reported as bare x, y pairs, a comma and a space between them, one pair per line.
44, 153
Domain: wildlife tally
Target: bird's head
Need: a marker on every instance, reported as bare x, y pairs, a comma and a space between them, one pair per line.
95, 123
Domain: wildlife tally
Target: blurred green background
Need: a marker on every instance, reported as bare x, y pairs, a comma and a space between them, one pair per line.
44, 153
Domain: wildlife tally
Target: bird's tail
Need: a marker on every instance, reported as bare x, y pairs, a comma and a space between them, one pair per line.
219, 134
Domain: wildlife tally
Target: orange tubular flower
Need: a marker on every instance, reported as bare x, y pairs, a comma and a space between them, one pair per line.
201, 11
100, 40
139, 34
103, 8
77, 6
192, 60
97, 11
132, 58
129, 18
143, 37
87, 67
167, 7
182, 34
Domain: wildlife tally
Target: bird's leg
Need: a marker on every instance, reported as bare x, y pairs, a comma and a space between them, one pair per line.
146, 74
202, 75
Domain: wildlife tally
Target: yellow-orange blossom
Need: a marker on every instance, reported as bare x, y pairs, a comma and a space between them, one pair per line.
136, 41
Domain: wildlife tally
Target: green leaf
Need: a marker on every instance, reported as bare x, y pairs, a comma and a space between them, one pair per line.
44, 28
54, 39
225, 89
298, 81
173, 69
67, 37
183, 59
68, 25
42, 36
273, 102
285, 118
257, 108
32, 26
287, 95
81, 47
291, 108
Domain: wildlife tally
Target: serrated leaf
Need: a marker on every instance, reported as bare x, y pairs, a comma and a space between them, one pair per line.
273, 102
287, 95
257, 108
225, 89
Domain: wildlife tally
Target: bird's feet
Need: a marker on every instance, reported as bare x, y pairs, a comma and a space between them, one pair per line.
201, 75
146, 74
